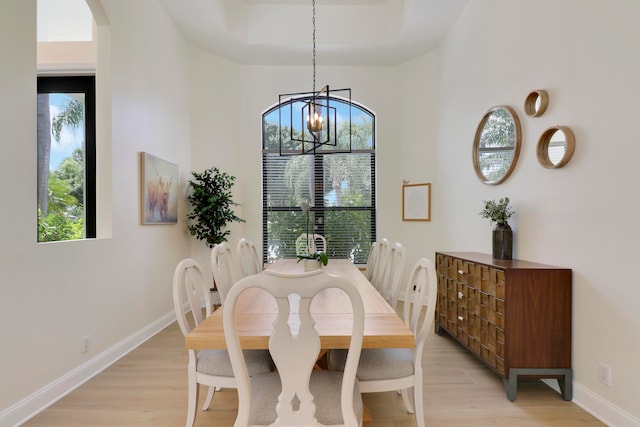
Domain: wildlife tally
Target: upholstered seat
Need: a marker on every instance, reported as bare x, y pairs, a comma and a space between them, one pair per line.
217, 362
385, 363
323, 386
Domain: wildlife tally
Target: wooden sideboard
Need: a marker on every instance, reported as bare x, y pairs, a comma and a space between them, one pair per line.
513, 315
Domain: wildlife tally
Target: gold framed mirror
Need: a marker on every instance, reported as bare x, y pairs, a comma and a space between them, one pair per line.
536, 103
555, 147
496, 145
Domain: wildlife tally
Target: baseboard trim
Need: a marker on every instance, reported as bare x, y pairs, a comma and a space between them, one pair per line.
30, 406
597, 406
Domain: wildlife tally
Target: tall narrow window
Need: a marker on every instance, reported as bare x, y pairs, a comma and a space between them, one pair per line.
339, 187
66, 158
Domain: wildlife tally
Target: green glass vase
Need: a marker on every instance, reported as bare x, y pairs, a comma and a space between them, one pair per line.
503, 241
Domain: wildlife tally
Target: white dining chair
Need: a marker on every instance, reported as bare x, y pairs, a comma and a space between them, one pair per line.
223, 268
372, 260
314, 243
394, 275
296, 394
381, 266
250, 261
392, 369
206, 367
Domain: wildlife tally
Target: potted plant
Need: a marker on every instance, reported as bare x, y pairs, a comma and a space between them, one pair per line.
211, 206
211, 209
312, 260
500, 212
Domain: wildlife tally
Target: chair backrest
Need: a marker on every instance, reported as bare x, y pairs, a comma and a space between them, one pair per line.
382, 264
294, 349
223, 268
423, 287
314, 243
189, 282
250, 261
372, 261
385, 287
395, 273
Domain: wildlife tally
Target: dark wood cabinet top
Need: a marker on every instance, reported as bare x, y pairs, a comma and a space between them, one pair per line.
487, 259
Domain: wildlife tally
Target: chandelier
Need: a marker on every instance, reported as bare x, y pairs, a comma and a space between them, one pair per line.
316, 121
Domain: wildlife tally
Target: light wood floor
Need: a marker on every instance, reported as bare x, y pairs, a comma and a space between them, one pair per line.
148, 388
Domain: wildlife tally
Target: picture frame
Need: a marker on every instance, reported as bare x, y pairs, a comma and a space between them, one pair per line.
159, 190
416, 202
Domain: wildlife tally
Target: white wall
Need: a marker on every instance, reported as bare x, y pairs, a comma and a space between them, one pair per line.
584, 216
53, 294
417, 159
216, 129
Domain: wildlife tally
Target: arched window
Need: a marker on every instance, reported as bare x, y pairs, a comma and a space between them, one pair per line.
339, 187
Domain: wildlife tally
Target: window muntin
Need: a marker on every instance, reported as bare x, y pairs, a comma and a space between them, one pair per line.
66, 158
340, 187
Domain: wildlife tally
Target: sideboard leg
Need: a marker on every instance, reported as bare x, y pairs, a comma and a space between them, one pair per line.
566, 384
511, 385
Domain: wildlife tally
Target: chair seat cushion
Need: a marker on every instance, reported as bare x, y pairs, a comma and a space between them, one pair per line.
377, 363
217, 362
324, 385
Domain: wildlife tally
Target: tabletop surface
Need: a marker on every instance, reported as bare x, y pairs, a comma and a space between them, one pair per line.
331, 310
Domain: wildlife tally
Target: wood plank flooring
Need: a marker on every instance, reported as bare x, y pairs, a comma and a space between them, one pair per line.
148, 388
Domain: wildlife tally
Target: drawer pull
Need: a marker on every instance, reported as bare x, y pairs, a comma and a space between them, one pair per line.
460, 295
460, 318
460, 271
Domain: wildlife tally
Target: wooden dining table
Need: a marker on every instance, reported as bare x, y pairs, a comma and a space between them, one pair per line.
331, 309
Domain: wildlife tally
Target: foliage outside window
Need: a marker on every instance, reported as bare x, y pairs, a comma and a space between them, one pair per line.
339, 187
66, 158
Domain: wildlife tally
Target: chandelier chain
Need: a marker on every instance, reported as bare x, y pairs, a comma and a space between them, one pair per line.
314, 131
313, 2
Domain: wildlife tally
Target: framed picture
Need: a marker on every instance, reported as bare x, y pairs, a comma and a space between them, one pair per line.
416, 202
159, 190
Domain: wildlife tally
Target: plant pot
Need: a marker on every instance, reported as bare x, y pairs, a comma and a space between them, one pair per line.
311, 264
502, 241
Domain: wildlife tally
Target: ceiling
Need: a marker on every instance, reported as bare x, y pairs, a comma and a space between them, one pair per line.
348, 32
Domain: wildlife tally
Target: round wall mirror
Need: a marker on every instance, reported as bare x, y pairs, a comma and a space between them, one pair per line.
497, 145
536, 103
555, 147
